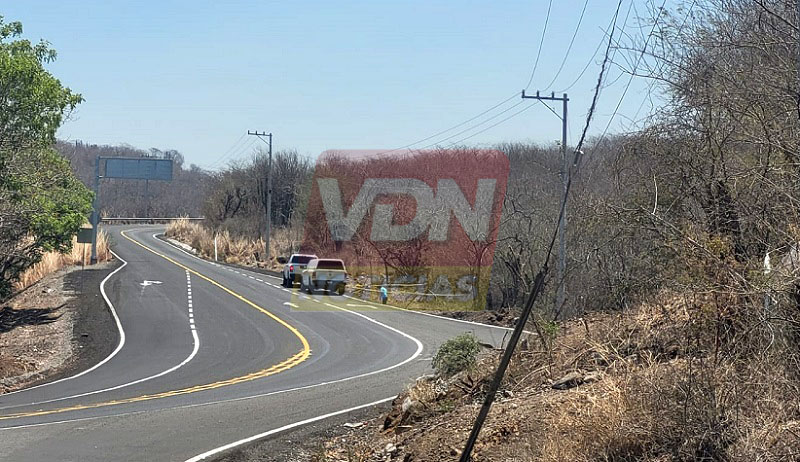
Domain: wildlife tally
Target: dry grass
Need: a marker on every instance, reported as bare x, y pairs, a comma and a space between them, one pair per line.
54, 261
230, 249
656, 387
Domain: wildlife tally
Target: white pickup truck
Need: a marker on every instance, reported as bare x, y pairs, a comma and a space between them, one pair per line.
294, 267
324, 273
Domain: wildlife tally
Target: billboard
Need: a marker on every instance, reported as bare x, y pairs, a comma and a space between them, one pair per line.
135, 168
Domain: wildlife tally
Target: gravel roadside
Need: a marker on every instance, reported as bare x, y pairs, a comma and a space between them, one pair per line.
57, 327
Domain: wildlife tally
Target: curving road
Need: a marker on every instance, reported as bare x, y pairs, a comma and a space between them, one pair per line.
212, 354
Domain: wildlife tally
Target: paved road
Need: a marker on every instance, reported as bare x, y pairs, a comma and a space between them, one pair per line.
214, 354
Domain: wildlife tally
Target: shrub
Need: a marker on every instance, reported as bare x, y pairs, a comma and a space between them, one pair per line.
456, 355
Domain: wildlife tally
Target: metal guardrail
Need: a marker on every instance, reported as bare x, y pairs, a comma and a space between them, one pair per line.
147, 220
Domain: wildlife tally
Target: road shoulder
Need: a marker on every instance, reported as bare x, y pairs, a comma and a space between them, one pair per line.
56, 328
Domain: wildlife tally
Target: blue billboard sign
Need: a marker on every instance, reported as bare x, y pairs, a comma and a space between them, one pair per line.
136, 168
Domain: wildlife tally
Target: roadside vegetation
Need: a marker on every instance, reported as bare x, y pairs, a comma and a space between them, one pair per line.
53, 261
456, 355
680, 335
238, 250
42, 204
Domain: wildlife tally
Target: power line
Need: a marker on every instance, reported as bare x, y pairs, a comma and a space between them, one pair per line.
633, 73
596, 50
538, 285
653, 81
514, 95
246, 146
569, 48
494, 125
454, 126
541, 43
599, 85
472, 127
219, 159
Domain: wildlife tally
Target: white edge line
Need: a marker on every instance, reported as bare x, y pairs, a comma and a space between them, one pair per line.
260, 395
119, 328
124, 385
300, 423
464, 321
325, 416
195, 349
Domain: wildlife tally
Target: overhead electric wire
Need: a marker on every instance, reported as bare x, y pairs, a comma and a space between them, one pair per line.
633, 73
514, 95
599, 45
220, 158
493, 125
653, 81
541, 43
454, 126
538, 284
473, 127
569, 48
246, 146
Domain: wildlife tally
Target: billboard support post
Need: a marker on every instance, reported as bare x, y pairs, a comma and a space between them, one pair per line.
95, 212
127, 168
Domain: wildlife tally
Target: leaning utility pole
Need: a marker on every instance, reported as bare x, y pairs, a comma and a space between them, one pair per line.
562, 224
269, 185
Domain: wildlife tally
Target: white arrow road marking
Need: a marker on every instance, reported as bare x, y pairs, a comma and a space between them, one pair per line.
195, 349
146, 283
290, 304
116, 320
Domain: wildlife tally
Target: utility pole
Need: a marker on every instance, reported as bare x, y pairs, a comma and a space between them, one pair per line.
261, 136
562, 224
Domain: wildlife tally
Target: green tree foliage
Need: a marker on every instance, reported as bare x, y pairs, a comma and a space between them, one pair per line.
42, 204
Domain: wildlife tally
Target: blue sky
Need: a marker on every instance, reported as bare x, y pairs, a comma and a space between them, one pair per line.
195, 76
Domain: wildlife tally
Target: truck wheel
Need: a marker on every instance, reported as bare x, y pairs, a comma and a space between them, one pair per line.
309, 289
340, 289
284, 282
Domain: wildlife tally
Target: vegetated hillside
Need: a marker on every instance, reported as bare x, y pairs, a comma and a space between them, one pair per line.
692, 237
184, 195
651, 384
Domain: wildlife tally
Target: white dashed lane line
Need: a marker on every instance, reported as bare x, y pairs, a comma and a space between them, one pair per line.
189, 299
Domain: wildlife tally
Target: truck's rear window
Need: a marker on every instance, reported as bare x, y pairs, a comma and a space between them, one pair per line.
330, 265
301, 259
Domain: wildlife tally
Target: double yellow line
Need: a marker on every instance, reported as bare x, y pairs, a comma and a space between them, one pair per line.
288, 363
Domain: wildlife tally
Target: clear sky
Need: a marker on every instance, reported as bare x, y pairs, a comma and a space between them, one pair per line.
196, 75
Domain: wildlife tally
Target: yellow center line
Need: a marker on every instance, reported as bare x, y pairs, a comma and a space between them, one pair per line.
290, 362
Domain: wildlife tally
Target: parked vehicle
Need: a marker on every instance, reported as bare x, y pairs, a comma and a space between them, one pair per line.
324, 273
294, 268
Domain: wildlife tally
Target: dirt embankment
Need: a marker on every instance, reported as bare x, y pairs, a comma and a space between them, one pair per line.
653, 384
56, 327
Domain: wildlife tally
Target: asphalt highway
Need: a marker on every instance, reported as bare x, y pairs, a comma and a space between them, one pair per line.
213, 354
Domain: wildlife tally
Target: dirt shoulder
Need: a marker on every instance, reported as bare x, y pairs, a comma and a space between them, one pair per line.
55, 328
